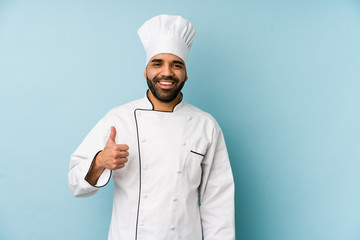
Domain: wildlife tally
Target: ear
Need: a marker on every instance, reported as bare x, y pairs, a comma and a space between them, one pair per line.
145, 73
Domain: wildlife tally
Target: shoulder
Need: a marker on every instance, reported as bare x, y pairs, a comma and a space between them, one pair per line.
127, 107
124, 111
200, 115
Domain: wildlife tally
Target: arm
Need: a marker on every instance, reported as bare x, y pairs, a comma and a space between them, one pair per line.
88, 173
217, 192
82, 160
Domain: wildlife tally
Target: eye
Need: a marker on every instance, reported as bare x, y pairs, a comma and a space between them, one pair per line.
178, 66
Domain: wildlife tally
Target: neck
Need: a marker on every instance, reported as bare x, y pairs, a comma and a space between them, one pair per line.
163, 106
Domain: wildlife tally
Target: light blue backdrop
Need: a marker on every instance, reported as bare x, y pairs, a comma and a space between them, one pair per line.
281, 77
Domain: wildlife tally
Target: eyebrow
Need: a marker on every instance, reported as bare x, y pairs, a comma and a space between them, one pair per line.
175, 61
157, 60
178, 62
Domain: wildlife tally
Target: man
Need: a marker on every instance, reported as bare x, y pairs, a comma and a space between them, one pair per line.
165, 156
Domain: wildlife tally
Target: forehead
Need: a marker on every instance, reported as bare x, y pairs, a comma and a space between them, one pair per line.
166, 57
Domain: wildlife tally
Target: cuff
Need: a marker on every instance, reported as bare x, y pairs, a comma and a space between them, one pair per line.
104, 177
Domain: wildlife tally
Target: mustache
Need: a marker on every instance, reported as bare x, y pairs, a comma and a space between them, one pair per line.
155, 79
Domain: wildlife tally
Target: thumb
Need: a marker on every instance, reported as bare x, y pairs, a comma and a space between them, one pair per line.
112, 135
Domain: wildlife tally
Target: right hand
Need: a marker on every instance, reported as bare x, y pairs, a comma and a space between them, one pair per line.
113, 156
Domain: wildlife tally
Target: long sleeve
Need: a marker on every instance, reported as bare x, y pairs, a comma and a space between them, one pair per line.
217, 192
81, 160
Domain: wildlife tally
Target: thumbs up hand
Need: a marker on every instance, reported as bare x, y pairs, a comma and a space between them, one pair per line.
113, 156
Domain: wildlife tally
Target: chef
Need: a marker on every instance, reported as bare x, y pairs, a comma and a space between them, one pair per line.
168, 159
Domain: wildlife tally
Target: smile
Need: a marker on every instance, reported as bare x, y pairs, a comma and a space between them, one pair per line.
166, 84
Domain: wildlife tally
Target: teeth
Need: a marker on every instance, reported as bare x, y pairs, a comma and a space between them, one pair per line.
166, 83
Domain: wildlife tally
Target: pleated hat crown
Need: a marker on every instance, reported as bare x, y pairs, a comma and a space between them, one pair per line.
167, 34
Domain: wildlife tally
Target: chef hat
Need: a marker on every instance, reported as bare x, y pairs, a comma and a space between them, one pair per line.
167, 34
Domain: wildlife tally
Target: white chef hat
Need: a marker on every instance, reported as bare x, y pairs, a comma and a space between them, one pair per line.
167, 34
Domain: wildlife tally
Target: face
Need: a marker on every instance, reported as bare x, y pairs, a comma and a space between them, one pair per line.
166, 76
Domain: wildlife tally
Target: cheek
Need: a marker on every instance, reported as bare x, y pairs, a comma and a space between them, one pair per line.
182, 77
150, 73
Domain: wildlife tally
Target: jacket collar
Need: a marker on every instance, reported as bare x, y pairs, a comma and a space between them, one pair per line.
149, 105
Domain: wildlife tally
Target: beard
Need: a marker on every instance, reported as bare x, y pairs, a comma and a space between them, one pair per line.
165, 95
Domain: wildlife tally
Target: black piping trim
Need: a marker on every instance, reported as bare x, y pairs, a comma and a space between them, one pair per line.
197, 153
92, 163
153, 108
139, 152
147, 92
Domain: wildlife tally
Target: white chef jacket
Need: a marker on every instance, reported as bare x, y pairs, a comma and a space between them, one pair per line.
176, 161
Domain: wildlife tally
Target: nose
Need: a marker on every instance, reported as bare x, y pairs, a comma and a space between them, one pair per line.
167, 71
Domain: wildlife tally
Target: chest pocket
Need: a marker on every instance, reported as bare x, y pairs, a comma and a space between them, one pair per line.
191, 165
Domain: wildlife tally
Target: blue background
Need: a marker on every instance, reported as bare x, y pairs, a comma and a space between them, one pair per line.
281, 77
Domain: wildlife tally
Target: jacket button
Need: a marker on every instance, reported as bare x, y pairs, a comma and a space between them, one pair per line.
172, 228
189, 118
144, 140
